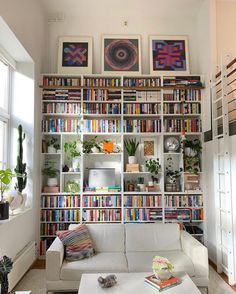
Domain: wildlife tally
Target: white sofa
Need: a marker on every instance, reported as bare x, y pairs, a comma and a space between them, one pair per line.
128, 248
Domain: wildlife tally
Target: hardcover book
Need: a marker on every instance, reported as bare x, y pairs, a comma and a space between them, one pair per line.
161, 285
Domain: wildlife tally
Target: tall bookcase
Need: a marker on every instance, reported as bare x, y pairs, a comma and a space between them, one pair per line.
150, 109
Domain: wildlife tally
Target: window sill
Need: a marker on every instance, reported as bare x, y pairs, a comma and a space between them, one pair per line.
15, 216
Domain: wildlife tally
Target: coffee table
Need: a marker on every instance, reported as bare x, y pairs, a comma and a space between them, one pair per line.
133, 283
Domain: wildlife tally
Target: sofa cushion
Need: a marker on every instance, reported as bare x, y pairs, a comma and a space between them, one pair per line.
152, 237
142, 261
77, 242
101, 262
106, 237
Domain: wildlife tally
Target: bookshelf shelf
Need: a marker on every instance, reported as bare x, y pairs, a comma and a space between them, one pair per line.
116, 108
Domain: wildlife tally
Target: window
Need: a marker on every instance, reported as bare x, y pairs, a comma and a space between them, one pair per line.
4, 112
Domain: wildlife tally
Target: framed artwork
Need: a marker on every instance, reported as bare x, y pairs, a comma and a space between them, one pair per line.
149, 146
169, 55
75, 55
121, 54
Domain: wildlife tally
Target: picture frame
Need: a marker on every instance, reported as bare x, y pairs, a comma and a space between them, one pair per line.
75, 55
148, 147
169, 55
121, 54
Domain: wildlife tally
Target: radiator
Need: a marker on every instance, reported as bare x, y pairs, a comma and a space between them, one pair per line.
22, 262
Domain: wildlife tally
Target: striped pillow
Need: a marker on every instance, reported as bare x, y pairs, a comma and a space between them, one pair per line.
77, 242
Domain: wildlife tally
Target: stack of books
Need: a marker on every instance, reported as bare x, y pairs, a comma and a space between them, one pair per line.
158, 285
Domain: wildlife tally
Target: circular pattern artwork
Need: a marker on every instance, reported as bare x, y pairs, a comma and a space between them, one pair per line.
171, 144
121, 55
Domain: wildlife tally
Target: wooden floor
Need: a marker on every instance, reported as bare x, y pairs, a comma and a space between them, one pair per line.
40, 264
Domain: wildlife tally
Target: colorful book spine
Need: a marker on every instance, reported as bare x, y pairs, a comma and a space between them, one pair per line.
142, 108
100, 108
60, 201
102, 82
102, 126
61, 94
183, 201
142, 201
102, 215
142, 214
61, 81
57, 125
142, 82
62, 215
142, 125
61, 108
102, 201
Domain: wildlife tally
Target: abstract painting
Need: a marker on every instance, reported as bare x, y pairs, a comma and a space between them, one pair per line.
75, 55
169, 55
121, 54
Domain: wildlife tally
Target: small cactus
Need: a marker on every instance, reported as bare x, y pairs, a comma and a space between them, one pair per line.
20, 169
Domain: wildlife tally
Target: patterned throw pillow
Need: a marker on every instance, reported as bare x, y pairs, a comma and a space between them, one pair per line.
77, 242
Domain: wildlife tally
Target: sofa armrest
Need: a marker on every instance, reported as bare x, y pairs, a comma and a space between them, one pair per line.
54, 259
197, 252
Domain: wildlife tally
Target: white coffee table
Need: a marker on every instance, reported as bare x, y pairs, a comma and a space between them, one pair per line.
133, 283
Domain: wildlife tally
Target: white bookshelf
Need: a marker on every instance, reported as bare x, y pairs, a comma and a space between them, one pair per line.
117, 160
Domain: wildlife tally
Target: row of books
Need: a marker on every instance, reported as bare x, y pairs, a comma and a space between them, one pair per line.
184, 214
102, 82
183, 200
142, 201
60, 215
50, 229
103, 189
102, 215
59, 107
142, 82
186, 108
182, 81
102, 201
44, 245
102, 126
142, 214
182, 95
60, 201
100, 108
142, 108
62, 94
142, 126
102, 95
57, 125
61, 81
179, 125
141, 96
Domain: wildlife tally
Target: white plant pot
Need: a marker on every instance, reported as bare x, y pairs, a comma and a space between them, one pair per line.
132, 159
95, 150
190, 152
51, 149
76, 164
52, 182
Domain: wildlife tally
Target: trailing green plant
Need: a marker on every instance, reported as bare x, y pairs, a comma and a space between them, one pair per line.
6, 265
71, 149
154, 167
20, 168
192, 164
131, 146
88, 145
51, 141
194, 144
5, 180
49, 170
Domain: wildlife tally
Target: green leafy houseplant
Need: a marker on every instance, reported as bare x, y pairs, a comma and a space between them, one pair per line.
88, 145
20, 168
50, 171
131, 146
195, 145
6, 265
154, 167
5, 180
172, 174
71, 149
192, 152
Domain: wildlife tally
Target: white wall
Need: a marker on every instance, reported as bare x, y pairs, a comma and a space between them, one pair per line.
152, 17
26, 20
226, 33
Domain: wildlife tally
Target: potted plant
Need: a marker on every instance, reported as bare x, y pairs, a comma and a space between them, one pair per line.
20, 169
52, 145
153, 166
73, 154
5, 180
162, 268
172, 176
131, 146
91, 146
51, 173
6, 265
192, 147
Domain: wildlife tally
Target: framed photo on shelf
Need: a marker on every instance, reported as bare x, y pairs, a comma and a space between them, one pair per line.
75, 55
169, 55
121, 54
148, 147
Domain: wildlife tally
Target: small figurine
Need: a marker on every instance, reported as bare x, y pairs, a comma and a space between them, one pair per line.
108, 281
65, 169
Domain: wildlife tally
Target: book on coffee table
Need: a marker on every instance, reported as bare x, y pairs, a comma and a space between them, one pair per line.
158, 285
